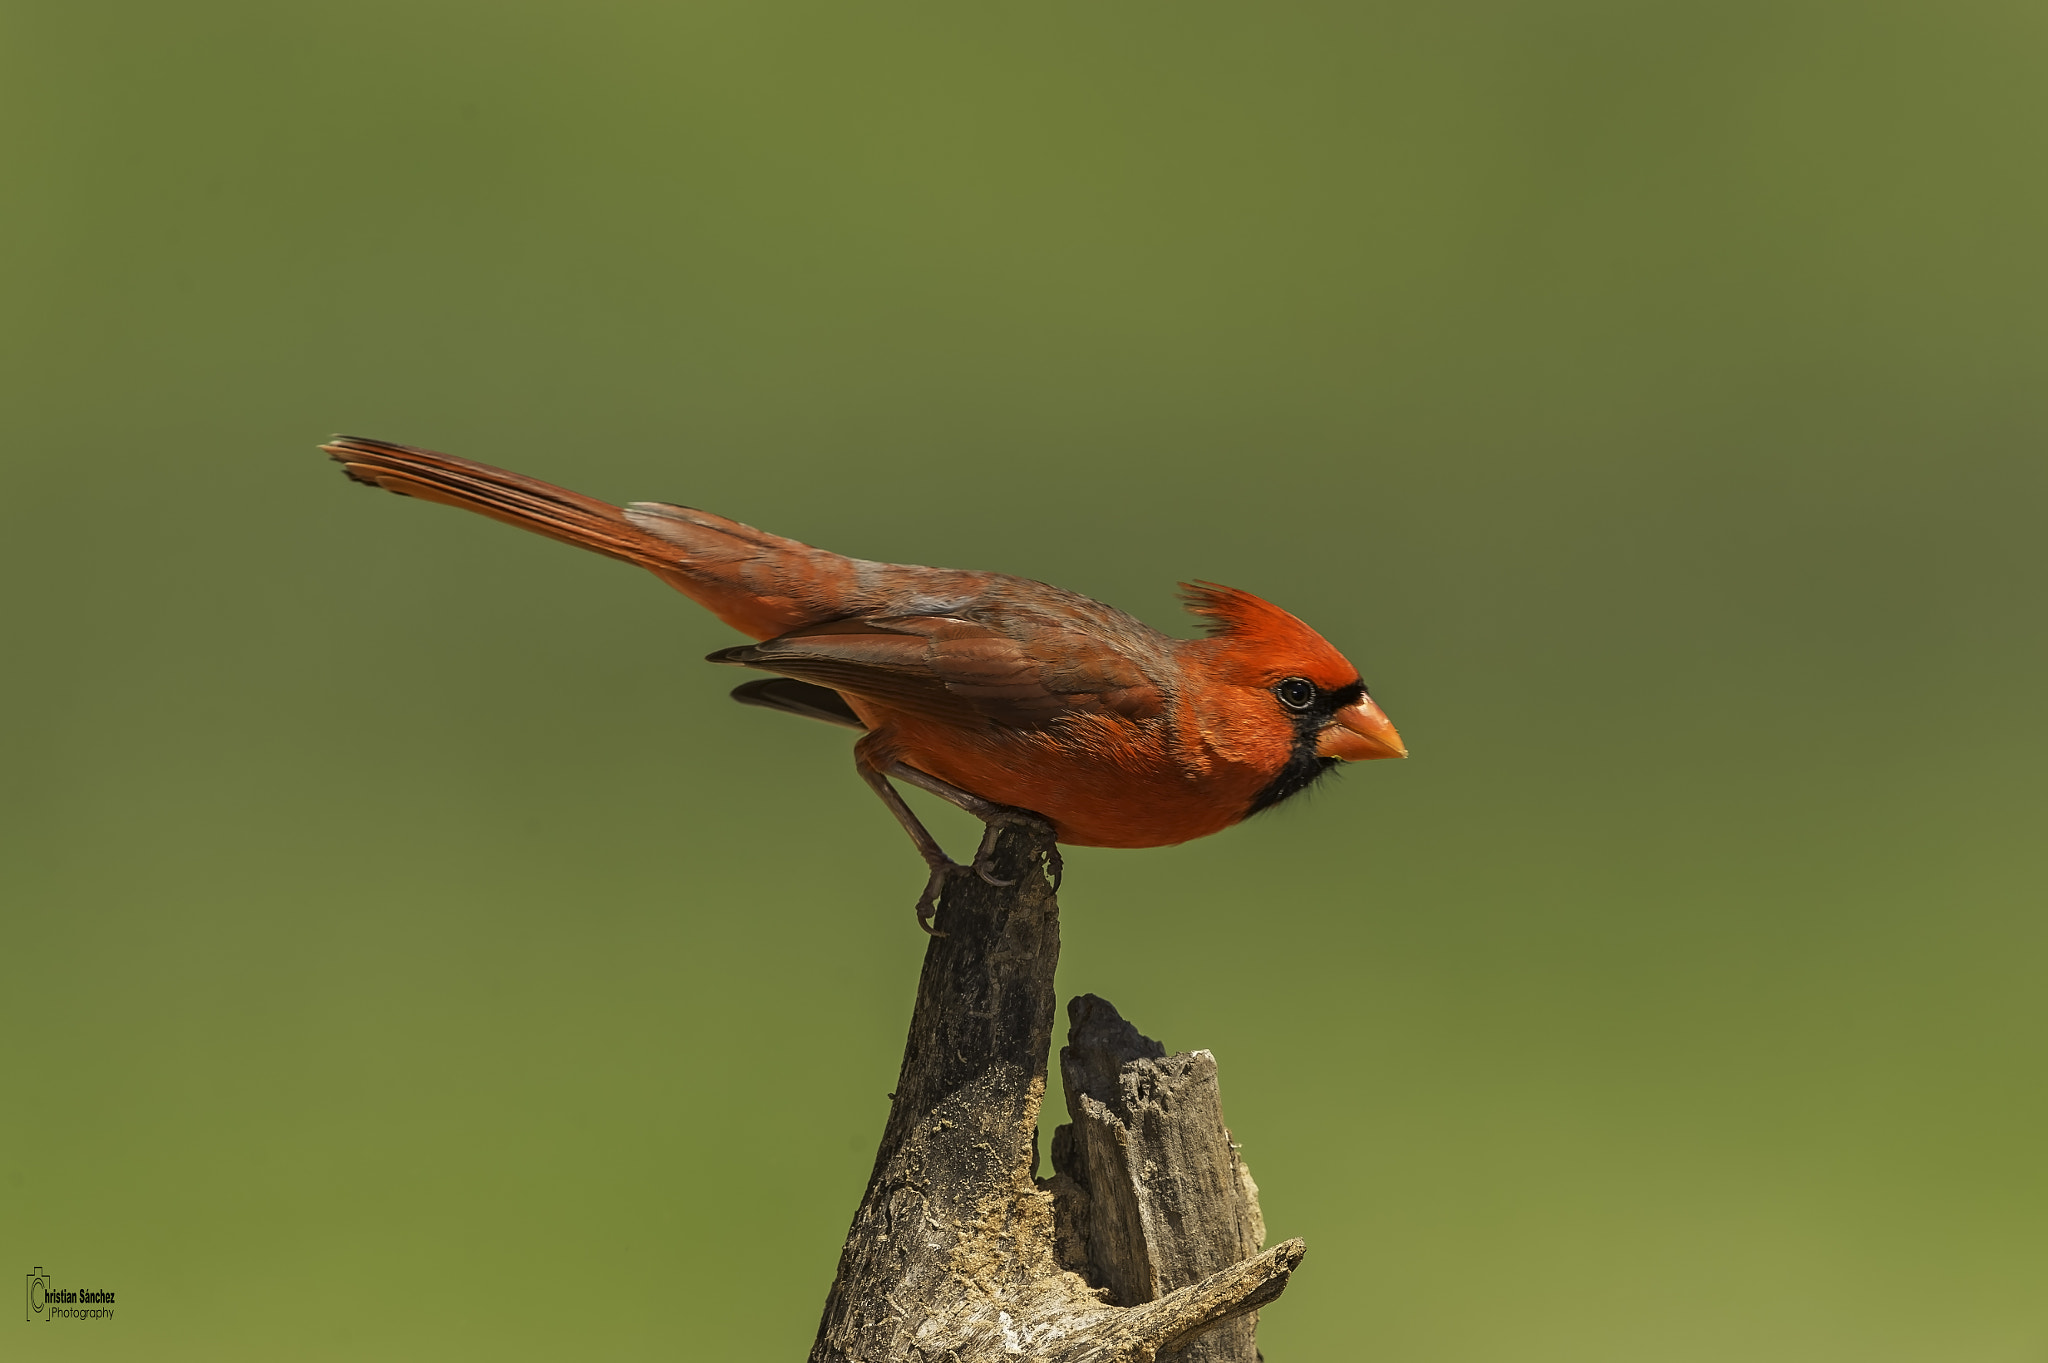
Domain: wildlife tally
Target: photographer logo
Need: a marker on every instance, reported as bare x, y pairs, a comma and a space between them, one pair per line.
49, 1302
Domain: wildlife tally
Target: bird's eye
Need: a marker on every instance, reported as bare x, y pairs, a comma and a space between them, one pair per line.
1296, 693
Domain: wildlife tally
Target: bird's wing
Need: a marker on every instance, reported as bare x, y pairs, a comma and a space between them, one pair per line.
962, 671
793, 697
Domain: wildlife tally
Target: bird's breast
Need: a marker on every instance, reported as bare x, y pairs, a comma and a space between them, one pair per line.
1103, 781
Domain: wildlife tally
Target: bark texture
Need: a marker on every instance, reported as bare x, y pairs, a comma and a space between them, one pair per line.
1145, 1243
1155, 1194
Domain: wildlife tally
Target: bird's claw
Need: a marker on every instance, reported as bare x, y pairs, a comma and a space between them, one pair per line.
984, 856
983, 864
928, 902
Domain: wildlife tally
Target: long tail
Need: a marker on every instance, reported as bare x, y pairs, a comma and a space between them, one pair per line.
512, 498
760, 584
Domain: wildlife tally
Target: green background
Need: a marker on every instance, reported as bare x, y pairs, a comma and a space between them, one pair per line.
411, 953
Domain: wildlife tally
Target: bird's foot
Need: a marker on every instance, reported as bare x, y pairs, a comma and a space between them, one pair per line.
934, 886
1005, 817
942, 867
984, 859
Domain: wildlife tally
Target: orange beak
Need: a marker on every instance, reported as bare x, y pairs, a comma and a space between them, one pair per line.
1359, 733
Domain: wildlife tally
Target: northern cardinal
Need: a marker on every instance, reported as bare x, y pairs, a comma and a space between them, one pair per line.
1017, 701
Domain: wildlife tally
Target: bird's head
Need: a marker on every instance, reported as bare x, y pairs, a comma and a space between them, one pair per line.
1285, 689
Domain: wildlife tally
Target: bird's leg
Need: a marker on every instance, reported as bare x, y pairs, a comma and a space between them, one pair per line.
927, 846
997, 817
874, 759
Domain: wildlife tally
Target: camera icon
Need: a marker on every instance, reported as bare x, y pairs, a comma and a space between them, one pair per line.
38, 1289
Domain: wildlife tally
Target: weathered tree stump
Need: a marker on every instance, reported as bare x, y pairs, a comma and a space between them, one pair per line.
1145, 1242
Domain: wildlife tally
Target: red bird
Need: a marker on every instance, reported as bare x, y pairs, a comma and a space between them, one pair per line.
1017, 701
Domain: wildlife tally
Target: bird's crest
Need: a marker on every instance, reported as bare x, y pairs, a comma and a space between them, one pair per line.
1264, 636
